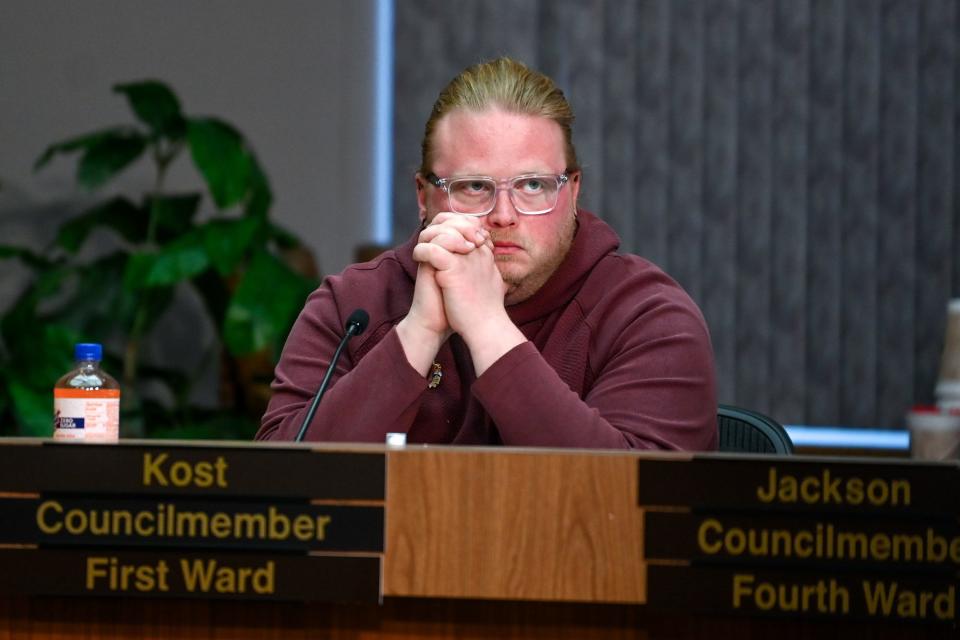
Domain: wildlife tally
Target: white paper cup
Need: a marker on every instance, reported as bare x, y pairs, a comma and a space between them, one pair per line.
934, 435
948, 382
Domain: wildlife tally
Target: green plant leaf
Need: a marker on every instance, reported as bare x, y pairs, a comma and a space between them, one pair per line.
218, 426
138, 269
261, 197
248, 292
173, 215
215, 295
39, 356
284, 239
228, 241
40, 353
118, 214
50, 281
264, 305
222, 158
109, 155
154, 301
91, 298
178, 261
155, 105
78, 143
99, 304
32, 409
26, 256
5, 405
22, 318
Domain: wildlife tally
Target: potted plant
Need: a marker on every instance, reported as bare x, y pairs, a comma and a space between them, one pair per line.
230, 254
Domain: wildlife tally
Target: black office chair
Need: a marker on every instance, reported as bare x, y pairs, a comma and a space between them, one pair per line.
746, 431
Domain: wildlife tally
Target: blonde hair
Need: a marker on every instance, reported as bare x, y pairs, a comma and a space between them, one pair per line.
508, 85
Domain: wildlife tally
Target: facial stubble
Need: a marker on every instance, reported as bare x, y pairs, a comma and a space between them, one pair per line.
521, 288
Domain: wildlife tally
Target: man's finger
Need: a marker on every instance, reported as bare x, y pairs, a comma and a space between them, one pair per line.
444, 216
449, 238
434, 255
470, 227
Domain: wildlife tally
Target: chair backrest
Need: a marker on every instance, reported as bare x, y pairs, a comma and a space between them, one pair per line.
751, 432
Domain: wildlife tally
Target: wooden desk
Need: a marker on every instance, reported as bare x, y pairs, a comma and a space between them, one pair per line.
479, 543
407, 619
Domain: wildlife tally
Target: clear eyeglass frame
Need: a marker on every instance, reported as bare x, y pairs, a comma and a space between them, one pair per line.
505, 184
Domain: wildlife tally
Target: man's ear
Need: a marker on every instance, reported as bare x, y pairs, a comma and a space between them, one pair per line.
421, 185
574, 184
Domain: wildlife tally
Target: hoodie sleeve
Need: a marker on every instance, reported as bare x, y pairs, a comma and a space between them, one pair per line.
351, 410
651, 381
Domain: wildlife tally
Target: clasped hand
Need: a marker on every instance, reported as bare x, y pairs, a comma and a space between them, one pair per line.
458, 283
459, 289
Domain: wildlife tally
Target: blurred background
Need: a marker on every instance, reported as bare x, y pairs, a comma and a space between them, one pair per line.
792, 163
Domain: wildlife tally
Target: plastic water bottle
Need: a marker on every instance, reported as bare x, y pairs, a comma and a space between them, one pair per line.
86, 401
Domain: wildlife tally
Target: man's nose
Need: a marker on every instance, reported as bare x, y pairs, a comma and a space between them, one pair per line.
504, 214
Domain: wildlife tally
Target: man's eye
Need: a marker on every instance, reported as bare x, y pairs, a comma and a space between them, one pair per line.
471, 187
531, 185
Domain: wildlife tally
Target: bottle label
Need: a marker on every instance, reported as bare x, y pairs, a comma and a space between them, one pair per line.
89, 415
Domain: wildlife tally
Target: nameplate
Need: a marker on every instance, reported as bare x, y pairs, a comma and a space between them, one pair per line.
106, 572
783, 536
201, 521
787, 484
191, 470
803, 594
804, 541
189, 523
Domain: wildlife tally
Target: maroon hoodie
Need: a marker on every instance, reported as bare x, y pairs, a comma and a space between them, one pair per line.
618, 356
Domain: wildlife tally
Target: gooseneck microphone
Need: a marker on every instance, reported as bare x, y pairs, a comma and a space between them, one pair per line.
356, 324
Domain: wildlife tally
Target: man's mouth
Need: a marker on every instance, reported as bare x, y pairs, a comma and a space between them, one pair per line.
504, 247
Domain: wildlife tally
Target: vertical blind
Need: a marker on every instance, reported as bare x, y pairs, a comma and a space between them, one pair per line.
792, 163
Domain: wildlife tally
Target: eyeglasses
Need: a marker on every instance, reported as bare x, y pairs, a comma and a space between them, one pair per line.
530, 194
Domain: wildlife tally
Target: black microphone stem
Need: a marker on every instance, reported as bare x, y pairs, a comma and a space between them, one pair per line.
351, 331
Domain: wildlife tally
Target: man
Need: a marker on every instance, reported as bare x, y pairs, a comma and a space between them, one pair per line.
509, 318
